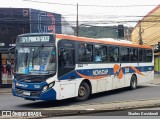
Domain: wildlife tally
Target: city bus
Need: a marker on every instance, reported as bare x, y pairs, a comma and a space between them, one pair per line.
56, 66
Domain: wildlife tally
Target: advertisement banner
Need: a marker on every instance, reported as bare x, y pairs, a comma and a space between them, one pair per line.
45, 22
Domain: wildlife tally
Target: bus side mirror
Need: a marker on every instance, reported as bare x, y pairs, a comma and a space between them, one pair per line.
9, 56
9, 50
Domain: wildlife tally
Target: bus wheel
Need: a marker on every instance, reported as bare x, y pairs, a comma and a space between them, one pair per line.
133, 83
83, 92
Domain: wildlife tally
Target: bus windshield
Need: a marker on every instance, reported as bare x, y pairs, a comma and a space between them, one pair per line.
35, 60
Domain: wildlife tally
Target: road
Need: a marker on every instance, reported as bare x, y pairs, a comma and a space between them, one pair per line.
9, 102
116, 115
104, 117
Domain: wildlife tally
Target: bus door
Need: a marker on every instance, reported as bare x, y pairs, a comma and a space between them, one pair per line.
66, 59
66, 66
66, 62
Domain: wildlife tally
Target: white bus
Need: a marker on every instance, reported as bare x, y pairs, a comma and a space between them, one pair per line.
55, 66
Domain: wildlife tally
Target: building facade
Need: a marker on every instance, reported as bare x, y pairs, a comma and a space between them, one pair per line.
16, 21
147, 32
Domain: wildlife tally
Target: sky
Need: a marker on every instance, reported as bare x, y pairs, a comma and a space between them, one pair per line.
91, 12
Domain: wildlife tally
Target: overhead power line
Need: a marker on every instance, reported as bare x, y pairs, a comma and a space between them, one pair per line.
118, 5
91, 5
50, 2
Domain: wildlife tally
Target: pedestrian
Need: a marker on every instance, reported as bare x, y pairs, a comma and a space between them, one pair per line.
8, 67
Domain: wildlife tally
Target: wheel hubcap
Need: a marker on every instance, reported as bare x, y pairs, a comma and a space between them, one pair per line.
134, 84
82, 91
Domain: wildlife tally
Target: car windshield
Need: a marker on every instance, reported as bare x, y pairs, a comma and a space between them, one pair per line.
35, 60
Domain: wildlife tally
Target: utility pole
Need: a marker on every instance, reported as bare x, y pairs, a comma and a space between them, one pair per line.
140, 34
77, 25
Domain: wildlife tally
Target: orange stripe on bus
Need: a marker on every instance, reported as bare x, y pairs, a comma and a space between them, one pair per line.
136, 70
118, 69
92, 40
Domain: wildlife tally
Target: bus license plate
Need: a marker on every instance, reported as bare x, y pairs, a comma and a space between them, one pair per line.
26, 93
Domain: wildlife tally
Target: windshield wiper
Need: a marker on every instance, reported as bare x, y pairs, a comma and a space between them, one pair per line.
37, 51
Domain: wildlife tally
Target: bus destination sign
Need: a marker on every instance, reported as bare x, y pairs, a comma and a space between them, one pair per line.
34, 39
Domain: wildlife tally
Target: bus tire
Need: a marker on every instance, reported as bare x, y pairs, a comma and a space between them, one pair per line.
133, 83
83, 92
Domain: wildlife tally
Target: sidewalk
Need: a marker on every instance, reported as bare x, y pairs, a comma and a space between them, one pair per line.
156, 80
5, 90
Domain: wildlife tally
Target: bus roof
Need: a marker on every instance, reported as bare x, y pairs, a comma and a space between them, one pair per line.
101, 41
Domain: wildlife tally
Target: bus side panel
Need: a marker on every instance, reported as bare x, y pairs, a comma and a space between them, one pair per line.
94, 86
128, 72
67, 89
147, 72
109, 83
86, 68
117, 80
103, 84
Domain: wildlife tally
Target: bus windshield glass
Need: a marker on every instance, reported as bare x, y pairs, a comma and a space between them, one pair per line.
35, 60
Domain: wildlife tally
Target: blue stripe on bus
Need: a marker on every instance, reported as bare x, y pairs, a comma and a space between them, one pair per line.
109, 71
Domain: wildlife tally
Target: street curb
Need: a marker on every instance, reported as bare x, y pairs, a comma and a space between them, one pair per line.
81, 110
5, 92
102, 107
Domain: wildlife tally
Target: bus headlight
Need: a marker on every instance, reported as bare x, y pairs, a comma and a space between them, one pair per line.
12, 77
51, 84
13, 85
45, 88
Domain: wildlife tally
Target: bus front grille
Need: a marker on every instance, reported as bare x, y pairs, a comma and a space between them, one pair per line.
32, 93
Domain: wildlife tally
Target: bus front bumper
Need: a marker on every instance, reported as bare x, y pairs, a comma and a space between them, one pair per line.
32, 94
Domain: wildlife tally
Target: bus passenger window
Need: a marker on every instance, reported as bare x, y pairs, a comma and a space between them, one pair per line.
149, 55
124, 54
100, 53
85, 52
98, 57
113, 54
142, 55
81, 52
134, 54
89, 53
